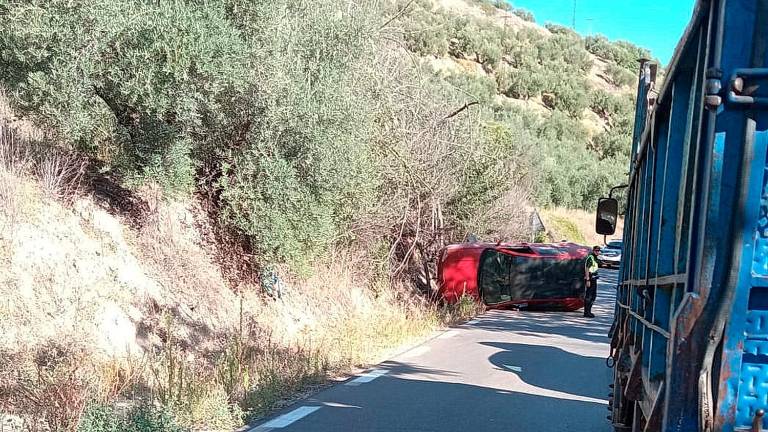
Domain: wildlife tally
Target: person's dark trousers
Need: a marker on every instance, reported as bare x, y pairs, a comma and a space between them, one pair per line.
590, 294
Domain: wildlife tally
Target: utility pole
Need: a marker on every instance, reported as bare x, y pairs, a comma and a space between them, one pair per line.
573, 23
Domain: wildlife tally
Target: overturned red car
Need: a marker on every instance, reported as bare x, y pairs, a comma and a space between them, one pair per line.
523, 275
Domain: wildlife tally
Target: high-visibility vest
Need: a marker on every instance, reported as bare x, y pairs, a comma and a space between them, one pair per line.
591, 264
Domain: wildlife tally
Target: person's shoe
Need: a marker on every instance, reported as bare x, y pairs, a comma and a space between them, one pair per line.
589, 315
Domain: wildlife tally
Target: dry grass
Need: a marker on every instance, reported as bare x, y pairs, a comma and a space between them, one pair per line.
574, 225
14, 164
171, 250
57, 171
49, 387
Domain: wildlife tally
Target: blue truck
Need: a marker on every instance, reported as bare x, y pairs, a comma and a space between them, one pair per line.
689, 343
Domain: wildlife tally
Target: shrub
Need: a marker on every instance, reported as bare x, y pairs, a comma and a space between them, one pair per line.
146, 418
559, 127
620, 76
622, 53
523, 83
426, 32
481, 87
495, 167
613, 143
102, 418
525, 14
304, 167
611, 107
575, 177
480, 39
557, 29
522, 49
51, 385
565, 229
563, 53
570, 96
138, 92
467, 307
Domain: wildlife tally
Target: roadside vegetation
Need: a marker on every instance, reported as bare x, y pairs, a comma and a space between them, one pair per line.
190, 166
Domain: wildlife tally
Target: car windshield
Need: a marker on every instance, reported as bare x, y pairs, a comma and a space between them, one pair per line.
613, 245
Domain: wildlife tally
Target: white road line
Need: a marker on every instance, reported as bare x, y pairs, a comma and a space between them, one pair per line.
286, 419
368, 377
473, 322
448, 334
514, 368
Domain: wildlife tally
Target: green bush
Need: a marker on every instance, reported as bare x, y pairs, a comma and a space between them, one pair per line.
566, 229
146, 418
521, 83
479, 39
142, 418
102, 75
613, 143
300, 119
621, 76
525, 14
560, 127
101, 418
622, 53
611, 106
491, 6
426, 32
570, 96
557, 29
305, 168
481, 87
563, 53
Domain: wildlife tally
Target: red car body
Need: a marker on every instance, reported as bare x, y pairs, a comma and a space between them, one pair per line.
539, 275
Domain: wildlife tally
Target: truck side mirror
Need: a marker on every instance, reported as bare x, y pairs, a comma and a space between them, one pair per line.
607, 213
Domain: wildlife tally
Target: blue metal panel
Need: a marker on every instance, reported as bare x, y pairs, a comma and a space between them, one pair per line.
643, 231
660, 171
661, 315
679, 119
746, 338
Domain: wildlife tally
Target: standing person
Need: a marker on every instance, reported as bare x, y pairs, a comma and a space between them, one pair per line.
590, 278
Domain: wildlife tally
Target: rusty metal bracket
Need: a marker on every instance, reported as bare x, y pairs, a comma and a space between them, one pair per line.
757, 421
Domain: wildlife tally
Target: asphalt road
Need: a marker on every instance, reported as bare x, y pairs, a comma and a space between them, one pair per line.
504, 371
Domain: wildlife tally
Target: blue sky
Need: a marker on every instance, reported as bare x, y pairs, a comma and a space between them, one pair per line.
656, 25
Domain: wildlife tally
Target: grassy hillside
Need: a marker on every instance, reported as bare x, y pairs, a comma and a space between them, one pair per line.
571, 99
161, 179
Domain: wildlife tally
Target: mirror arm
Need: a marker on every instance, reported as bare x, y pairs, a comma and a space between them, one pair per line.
610, 194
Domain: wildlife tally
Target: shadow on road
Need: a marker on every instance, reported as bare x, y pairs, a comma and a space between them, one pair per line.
551, 368
397, 403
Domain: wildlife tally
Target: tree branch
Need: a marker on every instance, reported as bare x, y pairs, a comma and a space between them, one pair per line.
397, 15
458, 111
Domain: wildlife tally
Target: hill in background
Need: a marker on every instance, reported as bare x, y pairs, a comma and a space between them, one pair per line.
570, 98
